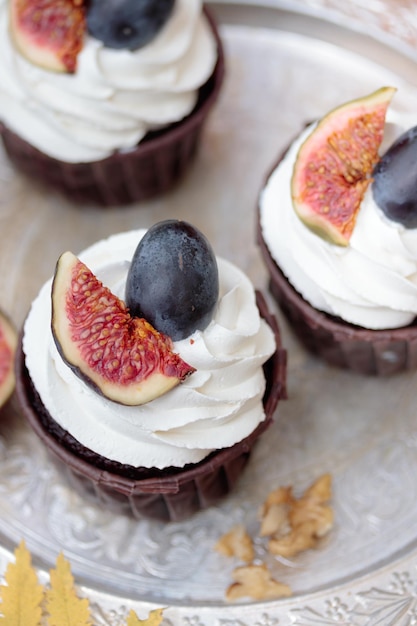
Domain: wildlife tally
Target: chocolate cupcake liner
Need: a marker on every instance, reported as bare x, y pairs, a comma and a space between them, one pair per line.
340, 344
172, 494
150, 169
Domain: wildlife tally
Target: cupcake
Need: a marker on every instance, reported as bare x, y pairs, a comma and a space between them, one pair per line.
106, 100
339, 240
171, 452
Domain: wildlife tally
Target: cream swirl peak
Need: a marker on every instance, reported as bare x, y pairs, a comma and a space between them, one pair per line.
373, 281
115, 97
219, 405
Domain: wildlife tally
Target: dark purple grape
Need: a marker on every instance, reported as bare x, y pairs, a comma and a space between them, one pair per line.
394, 187
128, 24
173, 279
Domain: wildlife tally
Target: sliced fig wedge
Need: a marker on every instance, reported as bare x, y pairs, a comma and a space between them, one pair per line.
122, 357
8, 342
49, 33
334, 166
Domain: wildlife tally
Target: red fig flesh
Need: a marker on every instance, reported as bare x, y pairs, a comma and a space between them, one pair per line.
49, 33
8, 342
123, 357
334, 166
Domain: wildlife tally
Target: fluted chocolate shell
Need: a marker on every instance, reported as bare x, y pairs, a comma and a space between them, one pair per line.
172, 494
149, 170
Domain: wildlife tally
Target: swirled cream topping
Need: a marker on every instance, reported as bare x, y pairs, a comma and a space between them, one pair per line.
373, 281
115, 97
219, 405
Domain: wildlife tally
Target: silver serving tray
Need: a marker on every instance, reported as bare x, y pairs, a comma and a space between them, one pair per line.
287, 62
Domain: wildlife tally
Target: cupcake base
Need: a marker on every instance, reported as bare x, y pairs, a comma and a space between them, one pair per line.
172, 494
150, 169
369, 352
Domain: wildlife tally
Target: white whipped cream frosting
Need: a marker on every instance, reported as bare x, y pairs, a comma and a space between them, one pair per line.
373, 281
217, 406
115, 96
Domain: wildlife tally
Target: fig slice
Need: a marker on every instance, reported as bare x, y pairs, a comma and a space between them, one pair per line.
49, 33
8, 343
334, 165
122, 357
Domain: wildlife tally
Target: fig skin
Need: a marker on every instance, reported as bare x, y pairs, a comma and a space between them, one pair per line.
123, 358
49, 33
334, 166
8, 343
173, 279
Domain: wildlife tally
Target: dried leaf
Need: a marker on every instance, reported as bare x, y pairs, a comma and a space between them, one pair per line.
256, 582
236, 543
22, 596
64, 607
155, 619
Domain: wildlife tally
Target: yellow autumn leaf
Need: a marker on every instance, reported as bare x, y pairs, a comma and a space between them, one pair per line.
154, 619
22, 596
63, 606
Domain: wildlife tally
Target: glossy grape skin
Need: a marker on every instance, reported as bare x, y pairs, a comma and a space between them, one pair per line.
394, 187
127, 24
173, 279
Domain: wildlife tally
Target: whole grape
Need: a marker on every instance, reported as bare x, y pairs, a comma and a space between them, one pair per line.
173, 279
394, 187
128, 24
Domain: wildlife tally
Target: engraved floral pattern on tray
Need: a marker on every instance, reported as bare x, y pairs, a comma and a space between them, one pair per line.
397, 18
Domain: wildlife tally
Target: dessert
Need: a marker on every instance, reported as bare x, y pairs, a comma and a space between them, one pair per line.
106, 100
342, 259
185, 449
8, 341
